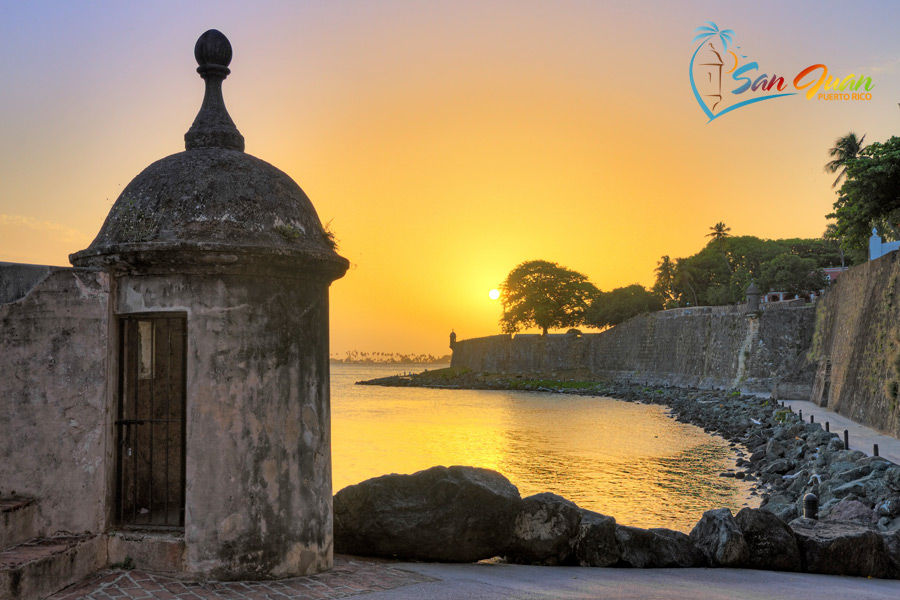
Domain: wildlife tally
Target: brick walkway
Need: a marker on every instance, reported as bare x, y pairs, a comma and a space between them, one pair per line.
349, 577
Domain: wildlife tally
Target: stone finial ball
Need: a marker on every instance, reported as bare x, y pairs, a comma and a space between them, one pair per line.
213, 48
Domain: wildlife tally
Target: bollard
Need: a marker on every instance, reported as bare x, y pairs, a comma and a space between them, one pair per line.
811, 506
875, 450
812, 418
827, 428
800, 412
846, 440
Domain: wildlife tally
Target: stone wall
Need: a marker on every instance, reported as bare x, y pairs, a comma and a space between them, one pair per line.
258, 458
857, 345
53, 396
705, 347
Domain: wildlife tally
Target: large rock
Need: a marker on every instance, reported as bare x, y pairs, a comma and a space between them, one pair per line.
840, 548
719, 538
850, 510
656, 548
545, 531
770, 540
450, 514
892, 546
595, 545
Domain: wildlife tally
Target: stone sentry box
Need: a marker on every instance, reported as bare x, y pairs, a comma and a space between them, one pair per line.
233, 246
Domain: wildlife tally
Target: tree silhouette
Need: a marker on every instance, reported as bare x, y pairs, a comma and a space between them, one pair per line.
845, 149
719, 233
544, 294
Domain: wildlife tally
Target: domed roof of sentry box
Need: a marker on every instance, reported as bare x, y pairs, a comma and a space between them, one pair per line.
213, 204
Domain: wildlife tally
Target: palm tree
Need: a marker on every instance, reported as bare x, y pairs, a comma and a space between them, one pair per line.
665, 280
718, 233
845, 148
704, 33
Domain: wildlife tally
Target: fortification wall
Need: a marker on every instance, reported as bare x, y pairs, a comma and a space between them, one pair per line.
53, 395
857, 345
706, 347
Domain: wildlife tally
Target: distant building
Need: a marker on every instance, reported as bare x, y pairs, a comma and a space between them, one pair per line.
831, 274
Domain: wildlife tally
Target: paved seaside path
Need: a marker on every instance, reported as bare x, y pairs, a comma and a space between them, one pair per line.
862, 438
428, 581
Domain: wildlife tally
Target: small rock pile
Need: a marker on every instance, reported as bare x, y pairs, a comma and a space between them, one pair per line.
466, 514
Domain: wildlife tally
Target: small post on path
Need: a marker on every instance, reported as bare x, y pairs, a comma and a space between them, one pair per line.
811, 506
846, 440
875, 450
800, 413
827, 428
812, 418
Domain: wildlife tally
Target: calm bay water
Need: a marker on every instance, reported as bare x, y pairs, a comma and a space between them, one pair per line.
631, 461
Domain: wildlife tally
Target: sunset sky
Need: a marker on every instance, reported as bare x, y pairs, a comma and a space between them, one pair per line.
446, 142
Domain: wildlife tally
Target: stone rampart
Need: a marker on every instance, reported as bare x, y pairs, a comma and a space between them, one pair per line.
53, 395
704, 347
857, 345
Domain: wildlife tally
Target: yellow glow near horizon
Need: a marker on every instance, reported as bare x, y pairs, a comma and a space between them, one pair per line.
446, 142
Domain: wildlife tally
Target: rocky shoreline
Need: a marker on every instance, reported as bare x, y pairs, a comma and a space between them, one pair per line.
788, 457
464, 514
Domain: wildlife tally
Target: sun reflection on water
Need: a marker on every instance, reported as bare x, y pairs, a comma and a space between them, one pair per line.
631, 461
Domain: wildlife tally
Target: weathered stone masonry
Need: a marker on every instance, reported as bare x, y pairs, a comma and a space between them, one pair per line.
857, 345
706, 347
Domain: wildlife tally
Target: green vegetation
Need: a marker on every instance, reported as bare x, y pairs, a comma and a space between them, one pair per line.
870, 195
543, 294
721, 272
288, 232
611, 308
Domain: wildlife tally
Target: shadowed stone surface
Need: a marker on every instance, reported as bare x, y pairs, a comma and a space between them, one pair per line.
545, 530
840, 548
595, 544
718, 536
656, 548
453, 514
770, 540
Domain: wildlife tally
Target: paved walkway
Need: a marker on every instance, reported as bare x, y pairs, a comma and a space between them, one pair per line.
420, 581
349, 577
861, 437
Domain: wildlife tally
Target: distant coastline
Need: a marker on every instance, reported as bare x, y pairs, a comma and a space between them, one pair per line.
354, 357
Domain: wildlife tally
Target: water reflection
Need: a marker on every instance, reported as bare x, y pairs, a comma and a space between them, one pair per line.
628, 460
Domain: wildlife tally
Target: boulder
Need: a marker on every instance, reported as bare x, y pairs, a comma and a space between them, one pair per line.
450, 514
850, 510
892, 478
779, 467
782, 507
770, 540
840, 548
892, 546
545, 531
719, 538
656, 548
595, 544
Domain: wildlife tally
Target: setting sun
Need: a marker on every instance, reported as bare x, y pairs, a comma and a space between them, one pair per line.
494, 294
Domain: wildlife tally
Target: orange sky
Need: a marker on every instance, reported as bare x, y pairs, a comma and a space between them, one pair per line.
446, 142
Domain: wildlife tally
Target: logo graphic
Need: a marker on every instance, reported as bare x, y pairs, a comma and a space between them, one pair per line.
723, 81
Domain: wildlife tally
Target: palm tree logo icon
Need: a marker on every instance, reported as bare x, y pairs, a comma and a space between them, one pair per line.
708, 66
709, 82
